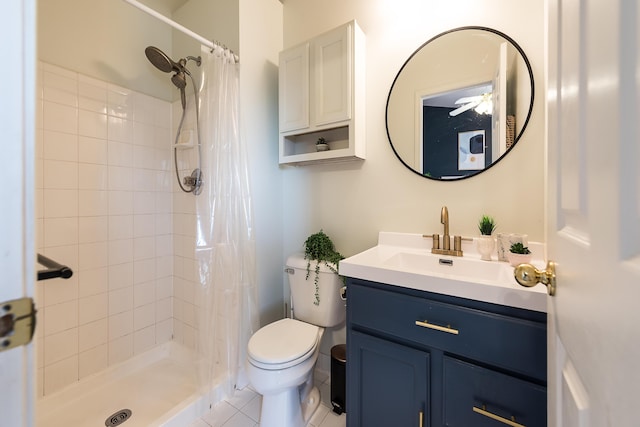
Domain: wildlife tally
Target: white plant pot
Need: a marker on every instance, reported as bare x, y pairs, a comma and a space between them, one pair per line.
486, 246
517, 259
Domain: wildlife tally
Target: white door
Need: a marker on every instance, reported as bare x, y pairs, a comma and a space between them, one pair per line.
593, 227
17, 124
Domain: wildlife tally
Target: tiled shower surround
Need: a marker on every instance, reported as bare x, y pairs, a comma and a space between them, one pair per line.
104, 207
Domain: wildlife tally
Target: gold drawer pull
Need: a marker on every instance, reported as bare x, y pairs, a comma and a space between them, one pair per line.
447, 328
421, 424
511, 422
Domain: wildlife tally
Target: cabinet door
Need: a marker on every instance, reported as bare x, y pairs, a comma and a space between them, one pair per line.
332, 67
387, 383
480, 397
294, 88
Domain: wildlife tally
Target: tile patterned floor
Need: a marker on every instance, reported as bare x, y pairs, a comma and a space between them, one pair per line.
243, 410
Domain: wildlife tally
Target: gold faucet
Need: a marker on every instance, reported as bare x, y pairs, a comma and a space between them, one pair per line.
444, 219
446, 238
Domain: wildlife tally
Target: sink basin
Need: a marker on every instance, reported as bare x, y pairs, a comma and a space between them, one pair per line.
457, 268
404, 259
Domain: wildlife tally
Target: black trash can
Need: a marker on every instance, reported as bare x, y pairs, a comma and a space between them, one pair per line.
338, 378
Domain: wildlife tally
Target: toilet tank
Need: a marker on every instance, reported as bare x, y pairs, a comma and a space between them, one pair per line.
331, 309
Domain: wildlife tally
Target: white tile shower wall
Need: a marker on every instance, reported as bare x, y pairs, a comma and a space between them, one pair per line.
186, 277
103, 202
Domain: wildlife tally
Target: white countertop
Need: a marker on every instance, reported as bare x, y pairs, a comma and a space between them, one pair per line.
405, 259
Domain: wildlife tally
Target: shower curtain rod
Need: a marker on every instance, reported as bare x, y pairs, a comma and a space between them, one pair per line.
175, 25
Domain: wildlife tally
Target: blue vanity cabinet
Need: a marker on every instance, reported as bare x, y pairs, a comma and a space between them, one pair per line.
398, 393
417, 358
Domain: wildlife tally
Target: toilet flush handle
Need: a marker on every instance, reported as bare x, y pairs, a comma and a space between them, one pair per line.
289, 270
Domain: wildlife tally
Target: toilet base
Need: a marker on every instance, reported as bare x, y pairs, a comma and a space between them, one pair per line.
310, 404
285, 409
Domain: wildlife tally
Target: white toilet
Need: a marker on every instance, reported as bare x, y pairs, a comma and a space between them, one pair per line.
282, 355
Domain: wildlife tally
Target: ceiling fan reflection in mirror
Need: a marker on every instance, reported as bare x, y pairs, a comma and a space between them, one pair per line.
482, 104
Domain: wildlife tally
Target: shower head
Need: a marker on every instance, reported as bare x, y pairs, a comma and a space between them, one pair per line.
161, 61
179, 80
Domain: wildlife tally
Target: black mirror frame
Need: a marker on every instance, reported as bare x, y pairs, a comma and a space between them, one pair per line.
516, 139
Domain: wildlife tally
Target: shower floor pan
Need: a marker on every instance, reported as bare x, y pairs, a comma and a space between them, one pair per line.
158, 387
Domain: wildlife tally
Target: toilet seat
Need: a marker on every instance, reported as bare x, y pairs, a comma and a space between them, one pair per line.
282, 344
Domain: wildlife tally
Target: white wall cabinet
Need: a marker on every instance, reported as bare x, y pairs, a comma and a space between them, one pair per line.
321, 94
294, 88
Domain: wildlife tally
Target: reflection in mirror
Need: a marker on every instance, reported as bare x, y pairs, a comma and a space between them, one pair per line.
460, 103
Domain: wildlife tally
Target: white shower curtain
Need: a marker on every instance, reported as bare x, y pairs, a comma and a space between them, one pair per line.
225, 244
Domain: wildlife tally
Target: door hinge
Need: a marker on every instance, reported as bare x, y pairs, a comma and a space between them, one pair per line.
17, 323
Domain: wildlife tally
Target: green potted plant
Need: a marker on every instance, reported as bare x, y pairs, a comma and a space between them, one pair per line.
486, 225
319, 248
321, 144
519, 254
485, 243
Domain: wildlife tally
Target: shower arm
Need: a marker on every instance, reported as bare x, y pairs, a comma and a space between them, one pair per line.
196, 59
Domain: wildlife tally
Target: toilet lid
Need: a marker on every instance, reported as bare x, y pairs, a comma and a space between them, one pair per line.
282, 341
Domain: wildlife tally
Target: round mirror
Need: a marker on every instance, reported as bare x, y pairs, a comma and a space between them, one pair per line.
460, 103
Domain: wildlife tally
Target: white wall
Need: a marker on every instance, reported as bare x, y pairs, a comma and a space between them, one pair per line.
212, 19
104, 40
260, 43
352, 202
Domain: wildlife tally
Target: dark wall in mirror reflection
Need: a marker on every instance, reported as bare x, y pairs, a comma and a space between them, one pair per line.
441, 156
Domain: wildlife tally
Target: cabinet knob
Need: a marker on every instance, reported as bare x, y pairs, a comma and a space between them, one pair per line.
527, 275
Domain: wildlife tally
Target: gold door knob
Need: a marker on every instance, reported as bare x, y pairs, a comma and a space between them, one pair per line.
527, 275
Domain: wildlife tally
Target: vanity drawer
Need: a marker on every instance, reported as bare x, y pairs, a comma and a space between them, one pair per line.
511, 343
479, 397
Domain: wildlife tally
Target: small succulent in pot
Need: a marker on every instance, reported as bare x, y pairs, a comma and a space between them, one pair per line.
519, 248
321, 144
320, 248
486, 225
519, 254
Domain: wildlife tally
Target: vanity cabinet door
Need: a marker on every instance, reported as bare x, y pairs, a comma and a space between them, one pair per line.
480, 397
387, 383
